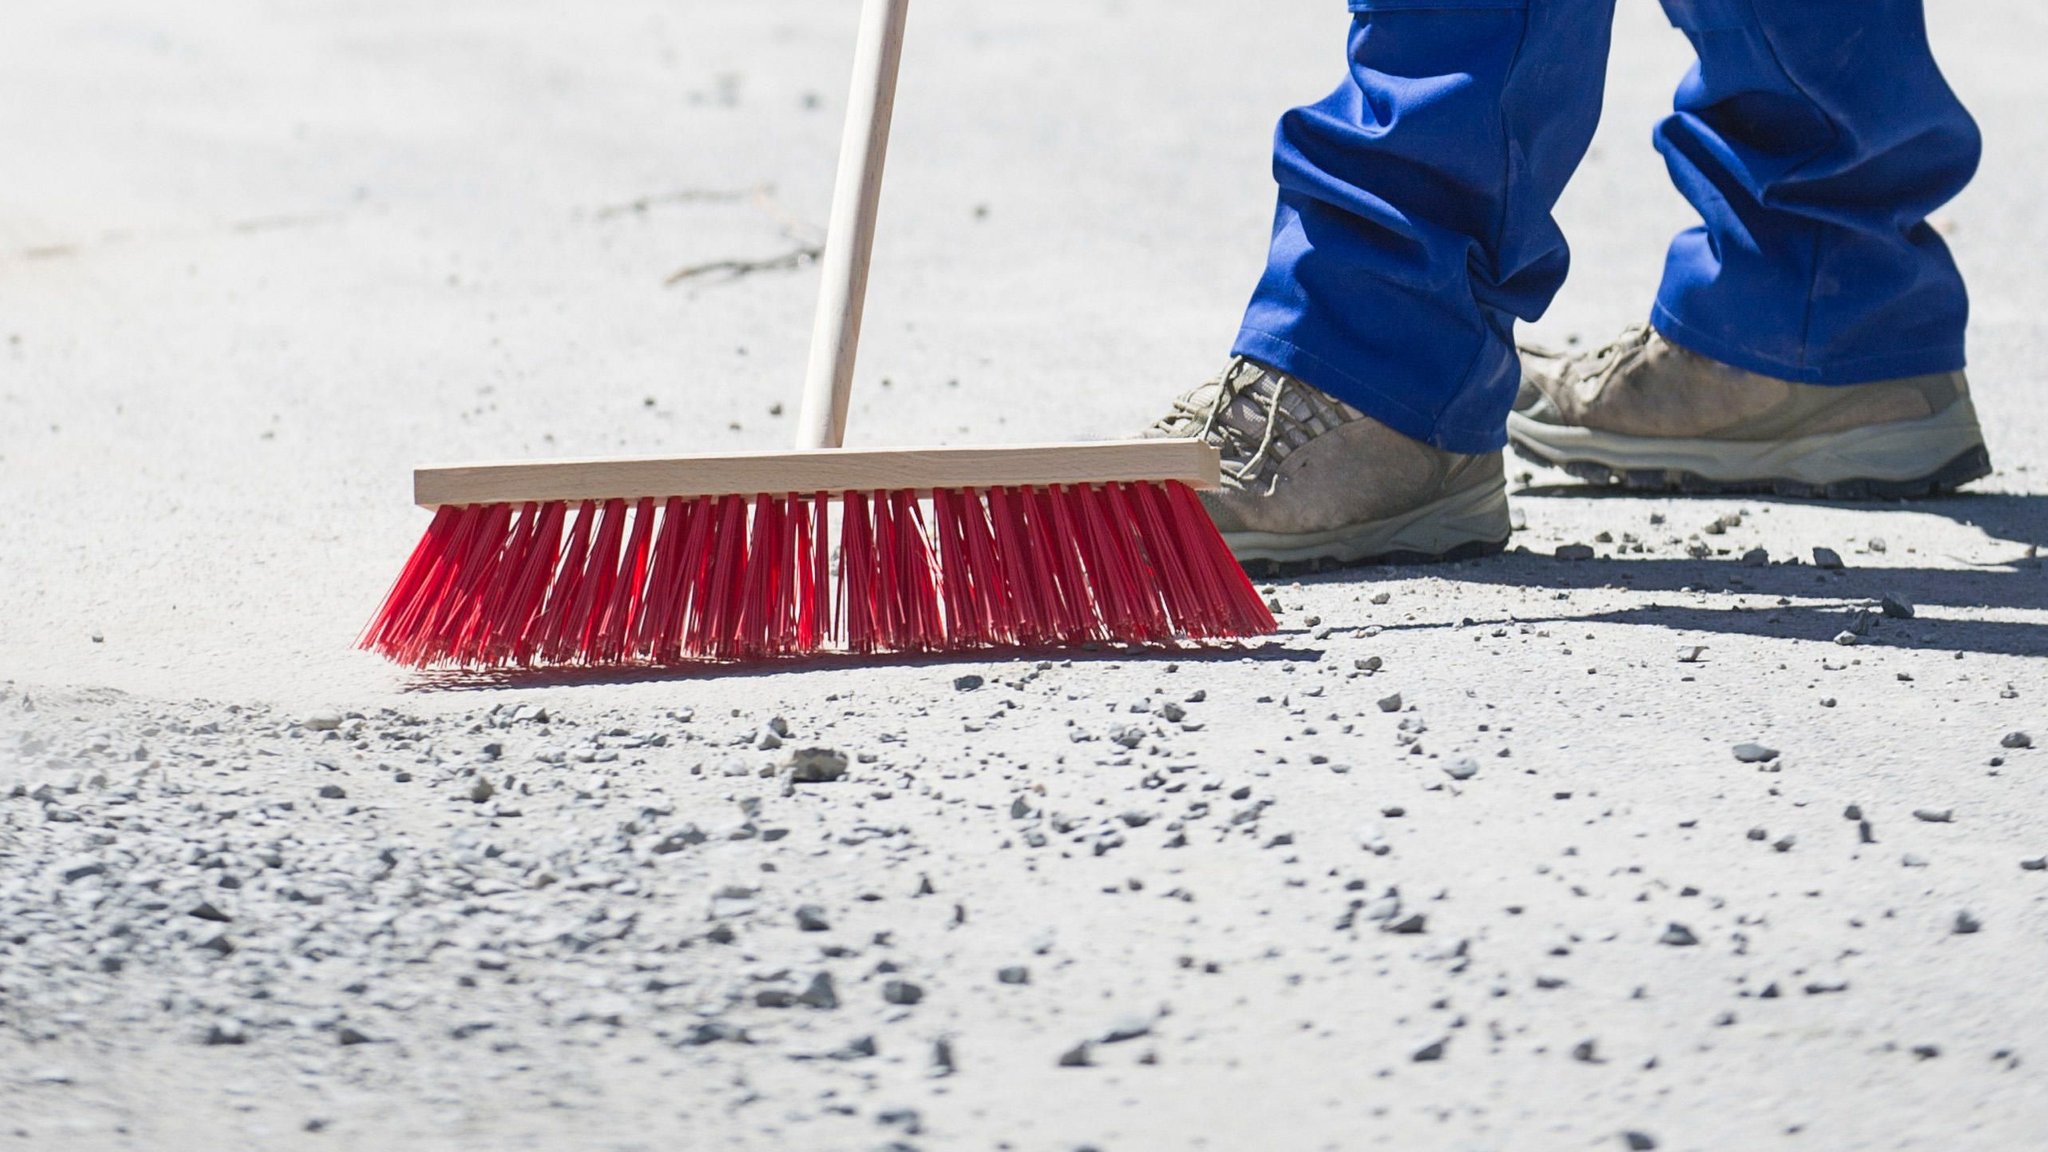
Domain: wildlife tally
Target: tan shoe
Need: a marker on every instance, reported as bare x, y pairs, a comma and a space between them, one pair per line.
1645, 413
1311, 482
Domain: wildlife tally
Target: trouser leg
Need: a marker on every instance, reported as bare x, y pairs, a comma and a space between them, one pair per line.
1814, 138
1414, 225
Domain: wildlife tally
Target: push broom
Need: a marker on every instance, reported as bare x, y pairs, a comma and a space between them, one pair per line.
634, 562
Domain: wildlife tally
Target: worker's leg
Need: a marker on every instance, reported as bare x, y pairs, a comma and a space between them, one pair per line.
1808, 338
1815, 137
1414, 222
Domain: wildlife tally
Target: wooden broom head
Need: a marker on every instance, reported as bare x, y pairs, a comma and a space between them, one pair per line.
831, 470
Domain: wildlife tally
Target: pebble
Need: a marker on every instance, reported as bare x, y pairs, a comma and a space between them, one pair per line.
1756, 558
482, 790
817, 766
1390, 703
1896, 607
1678, 936
967, 683
1014, 974
1463, 768
1755, 753
2037, 864
1575, 552
1429, 1053
1639, 1141
1827, 559
1127, 1028
1967, 925
323, 722
811, 918
333, 792
2016, 740
901, 992
1935, 815
1081, 1055
821, 993
1846, 639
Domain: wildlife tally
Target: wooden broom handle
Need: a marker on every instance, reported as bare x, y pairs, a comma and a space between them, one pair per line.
850, 240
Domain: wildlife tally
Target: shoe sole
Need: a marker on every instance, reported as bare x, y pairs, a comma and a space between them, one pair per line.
1463, 526
1895, 461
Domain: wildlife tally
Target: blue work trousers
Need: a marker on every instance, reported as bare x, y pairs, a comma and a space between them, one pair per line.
1814, 137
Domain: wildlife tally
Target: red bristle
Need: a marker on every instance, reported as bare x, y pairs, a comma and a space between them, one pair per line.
472, 646
1217, 573
653, 626
994, 603
413, 631
1030, 617
719, 623
601, 568
757, 595
820, 600
1109, 576
1130, 542
803, 547
888, 583
857, 564
551, 624
691, 635
1063, 538
509, 641
386, 628
481, 537
976, 600
612, 613
923, 618
1190, 614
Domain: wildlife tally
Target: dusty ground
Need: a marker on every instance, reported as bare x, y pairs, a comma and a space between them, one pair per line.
256, 890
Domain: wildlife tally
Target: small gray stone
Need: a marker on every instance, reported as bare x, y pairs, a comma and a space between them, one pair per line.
1429, 1053
1896, 607
1755, 753
821, 993
1463, 768
333, 792
1756, 558
1128, 1028
1014, 974
967, 683
1127, 735
1391, 703
2037, 864
1846, 639
482, 790
1967, 925
817, 765
323, 721
902, 992
1575, 552
1678, 936
1639, 1141
225, 1032
1081, 1055
811, 918
2016, 740
204, 910
350, 1037
1827, 558
79, 869
1935, 815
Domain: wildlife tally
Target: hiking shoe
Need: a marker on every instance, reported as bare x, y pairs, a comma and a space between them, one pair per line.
1644, 413
1310, 482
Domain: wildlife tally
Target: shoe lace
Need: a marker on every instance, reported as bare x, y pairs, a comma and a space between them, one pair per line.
1609, 358
1250, 445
